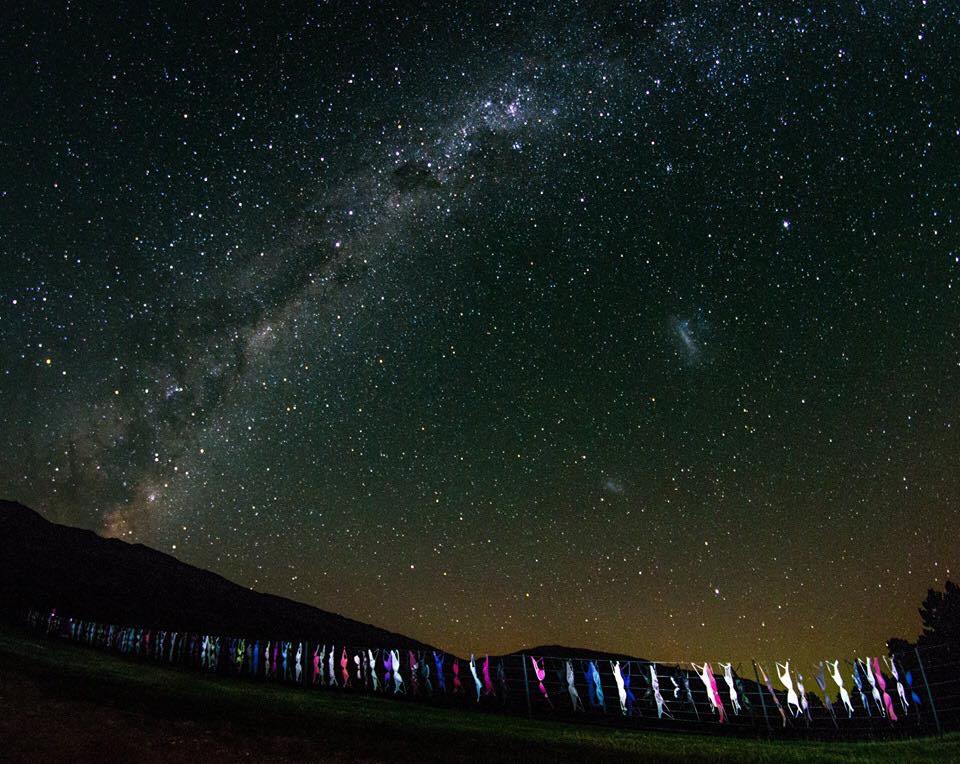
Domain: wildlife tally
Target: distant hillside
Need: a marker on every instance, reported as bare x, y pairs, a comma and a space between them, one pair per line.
560, 651
44, 565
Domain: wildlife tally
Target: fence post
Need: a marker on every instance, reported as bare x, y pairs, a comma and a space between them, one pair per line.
526, 684
933, 706
763, 700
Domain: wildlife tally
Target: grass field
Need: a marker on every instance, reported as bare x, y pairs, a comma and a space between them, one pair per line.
61, 702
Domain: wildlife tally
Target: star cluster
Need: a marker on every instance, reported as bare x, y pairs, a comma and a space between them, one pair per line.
623, 326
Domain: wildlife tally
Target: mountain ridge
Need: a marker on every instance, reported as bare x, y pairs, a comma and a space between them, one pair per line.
84, 575
236, 610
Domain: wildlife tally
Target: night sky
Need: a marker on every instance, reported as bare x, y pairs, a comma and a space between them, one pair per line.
631, 327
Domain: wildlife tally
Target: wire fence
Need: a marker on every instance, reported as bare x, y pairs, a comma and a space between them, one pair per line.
910, 693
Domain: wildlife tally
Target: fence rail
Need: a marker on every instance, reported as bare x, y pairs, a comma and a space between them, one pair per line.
916, 692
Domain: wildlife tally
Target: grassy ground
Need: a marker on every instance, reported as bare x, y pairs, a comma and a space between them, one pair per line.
61, 702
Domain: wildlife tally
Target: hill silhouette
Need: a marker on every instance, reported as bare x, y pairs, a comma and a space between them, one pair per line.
44, 565
564, 651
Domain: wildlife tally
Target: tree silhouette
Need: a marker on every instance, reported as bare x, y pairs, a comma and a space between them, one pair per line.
938, 647
940, 612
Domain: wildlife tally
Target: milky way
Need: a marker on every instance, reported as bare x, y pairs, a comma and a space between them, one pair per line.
526, 324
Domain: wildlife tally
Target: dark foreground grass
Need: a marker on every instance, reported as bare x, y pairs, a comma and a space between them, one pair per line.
62, 702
